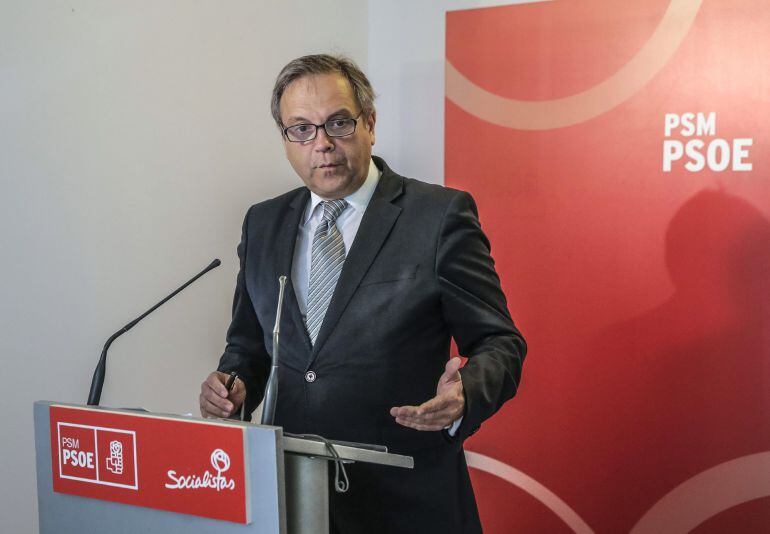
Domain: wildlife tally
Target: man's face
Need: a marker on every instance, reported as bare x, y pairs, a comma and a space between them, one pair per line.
331, 167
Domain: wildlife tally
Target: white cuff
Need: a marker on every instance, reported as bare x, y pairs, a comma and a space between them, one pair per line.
452, 429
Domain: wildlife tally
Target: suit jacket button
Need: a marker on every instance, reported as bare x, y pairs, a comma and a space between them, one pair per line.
310, 376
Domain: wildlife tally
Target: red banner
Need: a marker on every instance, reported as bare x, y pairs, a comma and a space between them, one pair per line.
619, 155
191, 467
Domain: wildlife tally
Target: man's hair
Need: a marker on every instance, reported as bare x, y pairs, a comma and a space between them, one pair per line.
323, 64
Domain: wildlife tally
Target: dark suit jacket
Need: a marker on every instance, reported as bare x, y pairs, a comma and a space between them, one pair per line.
418, 273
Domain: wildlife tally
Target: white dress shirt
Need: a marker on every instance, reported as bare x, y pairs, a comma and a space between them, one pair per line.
347, 223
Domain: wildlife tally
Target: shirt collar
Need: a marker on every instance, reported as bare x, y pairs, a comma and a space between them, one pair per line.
358, 200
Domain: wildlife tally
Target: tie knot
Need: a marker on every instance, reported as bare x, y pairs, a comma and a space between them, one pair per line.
333, 208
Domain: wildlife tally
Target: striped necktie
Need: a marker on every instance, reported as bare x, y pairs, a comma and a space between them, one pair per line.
326, 259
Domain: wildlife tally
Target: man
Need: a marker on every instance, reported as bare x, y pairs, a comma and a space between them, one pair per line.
384, 271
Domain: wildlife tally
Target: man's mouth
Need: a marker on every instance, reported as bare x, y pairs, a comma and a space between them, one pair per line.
328, 165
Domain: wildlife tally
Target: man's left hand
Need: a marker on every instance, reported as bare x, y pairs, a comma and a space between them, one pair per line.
440, 411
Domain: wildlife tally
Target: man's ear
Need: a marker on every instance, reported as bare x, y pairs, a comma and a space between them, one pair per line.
370, 121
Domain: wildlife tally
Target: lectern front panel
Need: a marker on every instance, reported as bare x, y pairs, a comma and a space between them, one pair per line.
119, 471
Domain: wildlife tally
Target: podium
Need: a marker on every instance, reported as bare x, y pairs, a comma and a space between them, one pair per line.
126, 471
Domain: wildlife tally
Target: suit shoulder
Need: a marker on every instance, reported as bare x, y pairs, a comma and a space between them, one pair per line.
438, 192
277, 204
433, 194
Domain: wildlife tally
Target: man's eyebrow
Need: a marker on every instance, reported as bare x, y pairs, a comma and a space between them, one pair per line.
341, 111
302, 120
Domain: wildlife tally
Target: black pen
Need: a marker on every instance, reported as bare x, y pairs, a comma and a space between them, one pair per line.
231, 381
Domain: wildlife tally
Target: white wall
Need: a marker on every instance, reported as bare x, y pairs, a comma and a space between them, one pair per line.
133, 136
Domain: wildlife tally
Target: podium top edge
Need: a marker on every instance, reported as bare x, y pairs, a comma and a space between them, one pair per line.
141, 412
310, 447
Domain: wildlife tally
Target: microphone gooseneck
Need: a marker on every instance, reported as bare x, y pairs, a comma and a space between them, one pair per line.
97, 382
271, 391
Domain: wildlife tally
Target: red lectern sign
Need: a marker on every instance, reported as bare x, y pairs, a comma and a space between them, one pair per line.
191, 467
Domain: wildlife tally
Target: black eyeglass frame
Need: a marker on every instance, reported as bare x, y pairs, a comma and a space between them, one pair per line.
316, 126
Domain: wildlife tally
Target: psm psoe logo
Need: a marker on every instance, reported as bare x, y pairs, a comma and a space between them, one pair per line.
220, 461
98, 455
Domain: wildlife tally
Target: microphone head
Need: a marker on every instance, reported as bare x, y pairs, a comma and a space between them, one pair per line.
215, 263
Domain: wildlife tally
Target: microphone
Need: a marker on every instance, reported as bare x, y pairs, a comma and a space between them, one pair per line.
271, 391
97, 381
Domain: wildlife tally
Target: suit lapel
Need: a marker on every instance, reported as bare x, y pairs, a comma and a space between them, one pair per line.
375, 226
285, 243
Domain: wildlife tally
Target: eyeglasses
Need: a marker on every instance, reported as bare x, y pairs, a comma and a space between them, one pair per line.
339, 127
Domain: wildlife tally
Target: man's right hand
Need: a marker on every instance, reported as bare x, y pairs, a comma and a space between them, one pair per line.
216, 401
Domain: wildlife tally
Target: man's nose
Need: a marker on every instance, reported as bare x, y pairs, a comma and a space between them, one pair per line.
322, 141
